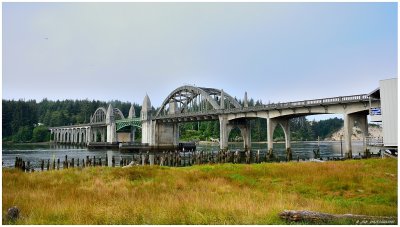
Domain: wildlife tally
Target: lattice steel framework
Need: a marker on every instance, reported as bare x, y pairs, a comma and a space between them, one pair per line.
134, 122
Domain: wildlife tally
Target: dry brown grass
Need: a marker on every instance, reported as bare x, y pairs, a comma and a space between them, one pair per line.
209, 194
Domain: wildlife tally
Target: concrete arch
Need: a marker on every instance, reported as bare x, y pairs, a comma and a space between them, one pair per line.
99, 115
193, 92
118, 114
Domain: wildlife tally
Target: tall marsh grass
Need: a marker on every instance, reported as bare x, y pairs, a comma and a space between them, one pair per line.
207, 194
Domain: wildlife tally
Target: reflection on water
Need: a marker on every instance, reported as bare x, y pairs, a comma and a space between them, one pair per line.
36, 153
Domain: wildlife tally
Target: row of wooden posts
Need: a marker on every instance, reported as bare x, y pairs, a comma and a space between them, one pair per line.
166, 158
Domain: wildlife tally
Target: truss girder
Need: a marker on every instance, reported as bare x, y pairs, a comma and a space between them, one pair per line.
134, 122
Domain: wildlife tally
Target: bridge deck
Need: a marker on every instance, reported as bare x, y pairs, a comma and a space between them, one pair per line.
274, 106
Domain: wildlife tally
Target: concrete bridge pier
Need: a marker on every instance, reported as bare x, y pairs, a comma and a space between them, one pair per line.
349, 122
271, 126
225, 127
111, 128
224, 130
246, 134
166, 134
132, 135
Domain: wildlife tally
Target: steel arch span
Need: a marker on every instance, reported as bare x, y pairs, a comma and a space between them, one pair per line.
197, 99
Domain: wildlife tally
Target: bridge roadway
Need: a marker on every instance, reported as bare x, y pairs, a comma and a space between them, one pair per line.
189, 103
213, 114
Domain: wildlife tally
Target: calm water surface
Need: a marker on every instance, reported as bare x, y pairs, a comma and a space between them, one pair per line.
35, 153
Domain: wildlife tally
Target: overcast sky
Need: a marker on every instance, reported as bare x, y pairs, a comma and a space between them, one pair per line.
276, 52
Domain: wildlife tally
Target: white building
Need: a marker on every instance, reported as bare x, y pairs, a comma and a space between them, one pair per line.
387, 113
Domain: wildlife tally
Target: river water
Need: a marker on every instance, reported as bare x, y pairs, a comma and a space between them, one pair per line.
36, 153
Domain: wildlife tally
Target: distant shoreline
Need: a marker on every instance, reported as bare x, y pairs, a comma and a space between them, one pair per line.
200, 142
27, 143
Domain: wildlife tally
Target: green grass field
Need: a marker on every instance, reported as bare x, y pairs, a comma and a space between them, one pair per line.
206, 194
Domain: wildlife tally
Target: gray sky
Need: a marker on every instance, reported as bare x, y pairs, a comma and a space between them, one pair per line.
275, 52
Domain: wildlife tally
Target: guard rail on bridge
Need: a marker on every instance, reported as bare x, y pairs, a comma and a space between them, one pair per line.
274, 106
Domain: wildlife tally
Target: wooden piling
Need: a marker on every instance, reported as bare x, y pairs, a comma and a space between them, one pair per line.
42, 165
48, 164
289, 155
72, 163
113, 161
100, 161
94, 161
58, 163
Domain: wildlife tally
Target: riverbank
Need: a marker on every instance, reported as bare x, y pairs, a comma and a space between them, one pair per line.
27, 143
206, 194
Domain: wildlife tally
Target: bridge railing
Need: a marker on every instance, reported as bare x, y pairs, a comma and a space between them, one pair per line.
274, 106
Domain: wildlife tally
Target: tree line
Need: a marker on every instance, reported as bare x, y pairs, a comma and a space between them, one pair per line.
28, 121
301, 129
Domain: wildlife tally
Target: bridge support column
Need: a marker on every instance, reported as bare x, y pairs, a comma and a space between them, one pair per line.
56, 139
89, 135
362, 121
286, 129
102, 135
348, 131
224, 129
68, 137
85, 133
165, 133
271, 125
111, 133
246, 134
132, 137
80, 136
349, 120
74, 136
148, 126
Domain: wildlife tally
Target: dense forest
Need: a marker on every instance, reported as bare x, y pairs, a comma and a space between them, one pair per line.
28, 121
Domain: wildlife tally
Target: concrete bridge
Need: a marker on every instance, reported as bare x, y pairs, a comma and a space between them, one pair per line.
103, 127
190, 103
